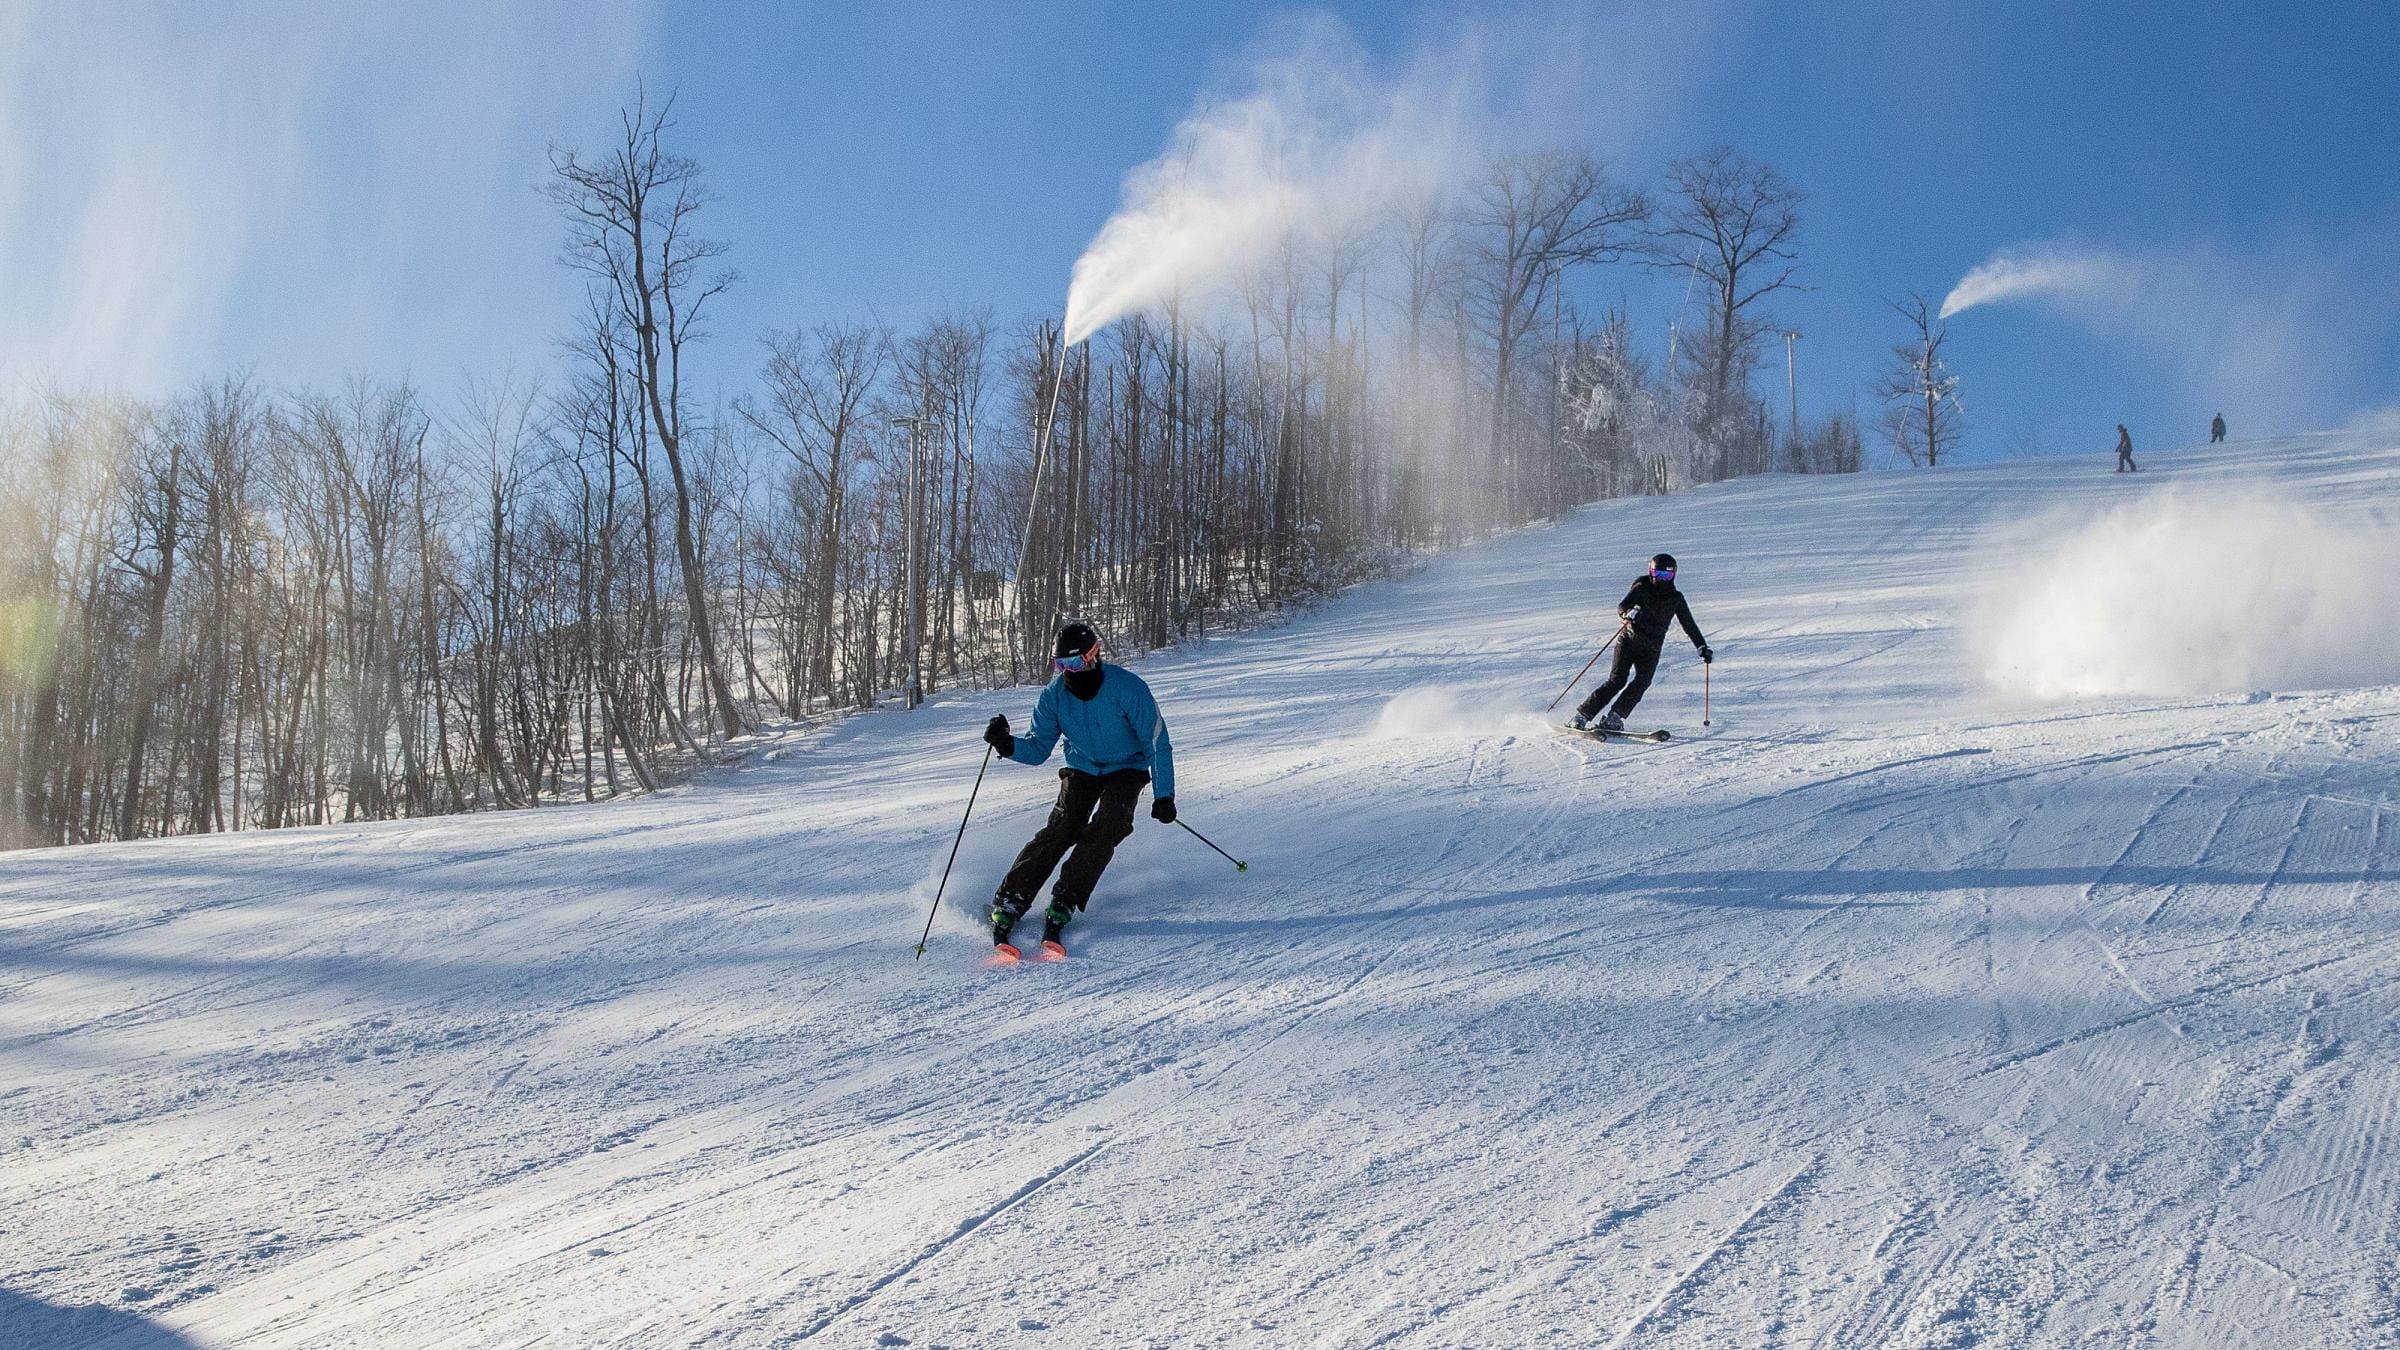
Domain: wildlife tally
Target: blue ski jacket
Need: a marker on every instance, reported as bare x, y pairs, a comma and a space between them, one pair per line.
1116, 729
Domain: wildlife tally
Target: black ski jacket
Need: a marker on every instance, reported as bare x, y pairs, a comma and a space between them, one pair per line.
1652, 604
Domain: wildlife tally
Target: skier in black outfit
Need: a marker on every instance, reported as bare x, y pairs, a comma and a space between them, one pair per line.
1647, 609
2216, 428
2125, 450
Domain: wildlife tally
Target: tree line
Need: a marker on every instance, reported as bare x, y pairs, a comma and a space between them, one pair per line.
243, 607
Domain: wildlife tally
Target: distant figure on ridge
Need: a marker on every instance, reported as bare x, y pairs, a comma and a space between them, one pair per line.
1647, 609
2216, 428
2125, 451
1116, 744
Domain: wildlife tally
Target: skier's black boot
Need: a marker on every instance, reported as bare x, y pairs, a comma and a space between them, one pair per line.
1580, 722
1006, 910
1611, 722
1054, 921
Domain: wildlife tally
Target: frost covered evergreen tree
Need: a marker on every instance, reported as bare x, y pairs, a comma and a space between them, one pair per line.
1921, 413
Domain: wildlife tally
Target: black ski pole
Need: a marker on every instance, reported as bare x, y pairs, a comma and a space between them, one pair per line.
927, 935
1706, 667
1612, 641
1238, 864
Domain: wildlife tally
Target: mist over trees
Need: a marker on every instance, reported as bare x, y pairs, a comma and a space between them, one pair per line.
245, 607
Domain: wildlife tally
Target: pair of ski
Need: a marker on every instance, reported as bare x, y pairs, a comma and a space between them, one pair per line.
1009, 954
1603, 734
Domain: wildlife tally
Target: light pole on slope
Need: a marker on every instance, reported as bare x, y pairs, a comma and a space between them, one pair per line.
1791, 380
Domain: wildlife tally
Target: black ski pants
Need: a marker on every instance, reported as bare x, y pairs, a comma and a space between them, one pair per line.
1629, 673
1093, 815
2125, 460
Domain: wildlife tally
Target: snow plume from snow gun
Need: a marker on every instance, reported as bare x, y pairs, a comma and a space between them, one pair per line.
2013, 273
2202, 591
1311, 139
2277, 331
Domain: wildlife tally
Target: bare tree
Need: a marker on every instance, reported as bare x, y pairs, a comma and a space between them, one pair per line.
1536, 214
247, 608
157, 527
1735, 222
1921, 415
630, 219
818, 388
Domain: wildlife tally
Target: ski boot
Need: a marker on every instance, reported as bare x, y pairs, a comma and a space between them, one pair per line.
1006, 910
1054, 925
1579, 723
1611, 722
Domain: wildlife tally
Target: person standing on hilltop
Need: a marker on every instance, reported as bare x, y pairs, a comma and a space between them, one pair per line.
2125, 451
1647, 609
2216, 428
1116, 745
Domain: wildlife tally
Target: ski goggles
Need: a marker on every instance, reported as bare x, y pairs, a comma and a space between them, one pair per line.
1663, 573
1080, 662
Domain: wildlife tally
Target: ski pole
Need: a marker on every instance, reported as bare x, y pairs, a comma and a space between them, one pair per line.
1707, 668
962, 838
1587, 666
1238, 864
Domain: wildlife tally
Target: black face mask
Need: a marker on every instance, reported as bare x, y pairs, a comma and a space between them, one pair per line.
1085, 684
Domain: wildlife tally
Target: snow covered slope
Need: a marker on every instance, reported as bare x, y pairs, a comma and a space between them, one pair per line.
1893, 1009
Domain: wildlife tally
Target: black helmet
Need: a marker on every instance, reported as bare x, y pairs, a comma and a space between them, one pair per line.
1078, 639
1662, 562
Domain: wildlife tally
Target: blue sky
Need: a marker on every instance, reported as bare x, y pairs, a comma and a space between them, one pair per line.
316, 190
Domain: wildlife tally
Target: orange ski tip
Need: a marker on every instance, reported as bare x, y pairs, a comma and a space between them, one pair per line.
1003, 954
1052, 951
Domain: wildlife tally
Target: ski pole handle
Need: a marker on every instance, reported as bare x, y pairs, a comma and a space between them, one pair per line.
1238, 864
927, 935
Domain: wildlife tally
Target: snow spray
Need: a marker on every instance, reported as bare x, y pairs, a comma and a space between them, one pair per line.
1311, 140
2190, 591
2277, 333
2039, 270
1444, 710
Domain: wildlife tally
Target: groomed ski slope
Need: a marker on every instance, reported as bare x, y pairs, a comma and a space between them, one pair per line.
1888, 1011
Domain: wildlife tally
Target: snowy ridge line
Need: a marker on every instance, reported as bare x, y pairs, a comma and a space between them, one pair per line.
943, 1244
2360, 802
1982, 784
1682, 1284
2283, 866
2116, 962
1962, 752
2056, 1043
2168, 895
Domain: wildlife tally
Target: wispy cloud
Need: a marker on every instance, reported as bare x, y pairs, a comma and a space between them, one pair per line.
183, 189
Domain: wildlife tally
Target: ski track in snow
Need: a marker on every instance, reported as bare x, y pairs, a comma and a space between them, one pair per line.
1887, 1011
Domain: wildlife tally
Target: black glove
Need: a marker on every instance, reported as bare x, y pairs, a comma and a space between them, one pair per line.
996, 736
1707, 657
1162, 810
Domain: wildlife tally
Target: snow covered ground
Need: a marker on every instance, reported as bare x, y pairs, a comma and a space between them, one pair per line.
1893, 1009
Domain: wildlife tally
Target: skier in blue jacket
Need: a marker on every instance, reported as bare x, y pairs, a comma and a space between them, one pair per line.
1116, 743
